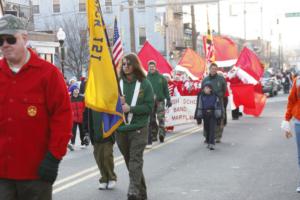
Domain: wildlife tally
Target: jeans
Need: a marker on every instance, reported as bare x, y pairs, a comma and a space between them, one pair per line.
209, 123
297, 133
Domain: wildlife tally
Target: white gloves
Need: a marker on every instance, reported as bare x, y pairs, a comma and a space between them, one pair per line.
285, 126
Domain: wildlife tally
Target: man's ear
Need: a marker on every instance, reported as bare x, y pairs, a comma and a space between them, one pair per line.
25, 37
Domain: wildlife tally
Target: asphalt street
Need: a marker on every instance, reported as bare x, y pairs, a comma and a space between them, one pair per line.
253, 162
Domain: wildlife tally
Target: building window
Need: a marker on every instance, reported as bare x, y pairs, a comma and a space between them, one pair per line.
141, 4
56, 6
82, 7
142, 35
35, 6
108, 6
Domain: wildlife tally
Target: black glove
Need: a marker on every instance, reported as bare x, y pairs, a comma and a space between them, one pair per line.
199, 121
49, 168
169, 103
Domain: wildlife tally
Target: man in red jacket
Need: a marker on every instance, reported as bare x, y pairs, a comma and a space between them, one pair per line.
35, 117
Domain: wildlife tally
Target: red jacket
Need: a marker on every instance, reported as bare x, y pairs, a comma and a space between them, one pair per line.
77, 105
293, 105
35, 117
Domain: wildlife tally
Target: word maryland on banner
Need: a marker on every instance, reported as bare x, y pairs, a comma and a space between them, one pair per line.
182, 110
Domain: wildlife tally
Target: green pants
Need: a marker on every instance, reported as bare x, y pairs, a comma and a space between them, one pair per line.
159, 112
219, 130
103, 154
220, 126
132, 145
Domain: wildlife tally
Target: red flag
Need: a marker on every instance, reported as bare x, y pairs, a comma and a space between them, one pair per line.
250, 63
225, 50
243, 95
148, 52
193, 63
260, 102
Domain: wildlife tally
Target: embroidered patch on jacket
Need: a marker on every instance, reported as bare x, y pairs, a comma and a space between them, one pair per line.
32, 111
141, 93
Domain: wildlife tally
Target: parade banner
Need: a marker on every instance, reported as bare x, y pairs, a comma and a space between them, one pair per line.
182, 110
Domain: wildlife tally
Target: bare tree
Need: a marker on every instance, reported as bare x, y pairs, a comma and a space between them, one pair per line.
77, 45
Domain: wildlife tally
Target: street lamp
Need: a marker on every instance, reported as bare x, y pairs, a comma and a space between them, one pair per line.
61, 36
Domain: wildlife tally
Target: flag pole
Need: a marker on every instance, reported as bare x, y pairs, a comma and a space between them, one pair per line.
208, 33
110, 52
107, 39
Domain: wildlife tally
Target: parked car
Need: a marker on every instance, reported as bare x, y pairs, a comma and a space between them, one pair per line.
269, 84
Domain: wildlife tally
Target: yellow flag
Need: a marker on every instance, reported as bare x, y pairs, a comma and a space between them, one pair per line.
102, 93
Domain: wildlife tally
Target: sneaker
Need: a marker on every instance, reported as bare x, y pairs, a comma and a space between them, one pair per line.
71, 147
83, 146
298, 189
111, 185
211, 147
102, 186
149, 146
218, 140
161, 139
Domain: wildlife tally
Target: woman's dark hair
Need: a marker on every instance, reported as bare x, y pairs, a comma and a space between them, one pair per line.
136, 64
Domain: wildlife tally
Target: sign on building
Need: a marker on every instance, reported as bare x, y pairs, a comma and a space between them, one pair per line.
293, 14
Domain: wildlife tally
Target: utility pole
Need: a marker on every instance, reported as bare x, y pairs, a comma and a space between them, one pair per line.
245, 21
1, 9
219, 18
165, 25
131, 26
194, 32
279, 46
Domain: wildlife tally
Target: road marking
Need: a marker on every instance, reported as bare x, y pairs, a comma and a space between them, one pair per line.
86, 171
93, 171
79, 180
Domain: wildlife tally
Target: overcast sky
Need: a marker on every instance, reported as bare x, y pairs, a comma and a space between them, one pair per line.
232, 19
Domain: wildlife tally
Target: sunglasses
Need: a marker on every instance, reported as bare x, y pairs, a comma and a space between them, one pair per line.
9, 40
126, 64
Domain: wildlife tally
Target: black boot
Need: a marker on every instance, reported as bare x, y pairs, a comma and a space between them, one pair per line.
161, 139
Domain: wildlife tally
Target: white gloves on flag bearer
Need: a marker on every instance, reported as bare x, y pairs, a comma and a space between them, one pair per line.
285, 126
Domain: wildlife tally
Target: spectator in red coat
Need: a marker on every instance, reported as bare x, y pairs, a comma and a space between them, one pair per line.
35, 117
77, 105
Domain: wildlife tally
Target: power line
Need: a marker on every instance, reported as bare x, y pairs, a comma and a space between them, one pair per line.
191, 2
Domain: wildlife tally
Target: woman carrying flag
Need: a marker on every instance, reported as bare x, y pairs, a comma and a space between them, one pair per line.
132, 135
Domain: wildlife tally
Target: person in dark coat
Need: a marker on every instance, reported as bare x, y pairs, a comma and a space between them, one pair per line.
210, 110
219, 87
